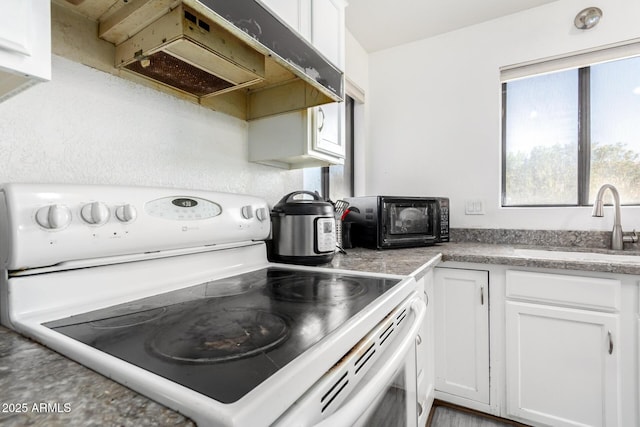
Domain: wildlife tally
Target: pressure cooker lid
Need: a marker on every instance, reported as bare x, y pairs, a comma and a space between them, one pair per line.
290, 205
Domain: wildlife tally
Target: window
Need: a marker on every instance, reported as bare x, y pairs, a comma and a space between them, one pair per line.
566, 133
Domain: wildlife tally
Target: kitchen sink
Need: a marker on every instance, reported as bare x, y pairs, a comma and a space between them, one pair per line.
578, 256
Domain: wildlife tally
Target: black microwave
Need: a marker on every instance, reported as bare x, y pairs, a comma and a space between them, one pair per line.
384, 222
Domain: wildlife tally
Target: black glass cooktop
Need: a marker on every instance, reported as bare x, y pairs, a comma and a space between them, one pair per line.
224, 337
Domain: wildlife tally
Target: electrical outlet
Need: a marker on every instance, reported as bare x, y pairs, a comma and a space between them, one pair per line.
474, 207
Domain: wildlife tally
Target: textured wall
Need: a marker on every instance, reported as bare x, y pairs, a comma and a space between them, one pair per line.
86, 126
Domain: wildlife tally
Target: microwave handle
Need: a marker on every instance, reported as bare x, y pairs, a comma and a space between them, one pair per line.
351, 410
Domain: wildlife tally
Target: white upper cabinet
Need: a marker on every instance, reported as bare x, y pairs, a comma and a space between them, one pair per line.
314, 137
25, 44
327, 29
293, 12
328, 137
327, 35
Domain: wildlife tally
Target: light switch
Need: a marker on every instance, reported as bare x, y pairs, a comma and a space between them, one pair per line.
474, 207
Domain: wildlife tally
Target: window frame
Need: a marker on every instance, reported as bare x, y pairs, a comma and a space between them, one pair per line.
325, 182
583, 146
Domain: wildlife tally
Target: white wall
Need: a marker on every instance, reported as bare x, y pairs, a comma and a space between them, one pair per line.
87, 126
356, 62
434, 104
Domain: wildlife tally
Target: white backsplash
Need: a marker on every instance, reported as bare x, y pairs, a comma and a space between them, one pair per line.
87, 126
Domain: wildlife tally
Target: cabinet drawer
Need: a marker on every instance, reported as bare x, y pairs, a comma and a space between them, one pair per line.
573, 291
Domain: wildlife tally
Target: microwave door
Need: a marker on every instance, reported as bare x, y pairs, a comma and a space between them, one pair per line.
406, 223
409, 220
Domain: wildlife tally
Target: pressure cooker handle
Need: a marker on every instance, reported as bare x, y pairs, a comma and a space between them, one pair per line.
290, 196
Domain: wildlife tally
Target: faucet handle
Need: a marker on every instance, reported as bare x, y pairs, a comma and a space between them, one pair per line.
631, 239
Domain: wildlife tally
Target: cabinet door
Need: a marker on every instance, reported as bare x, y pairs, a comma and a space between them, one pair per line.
319, 21
328, 122
287, 10
327, 35
327, 29
425, 352
562, 365
15, 27
462, 333
25, 44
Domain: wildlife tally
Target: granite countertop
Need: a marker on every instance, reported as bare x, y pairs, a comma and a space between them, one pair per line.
534, 256
39, 387
406, 261
32, 375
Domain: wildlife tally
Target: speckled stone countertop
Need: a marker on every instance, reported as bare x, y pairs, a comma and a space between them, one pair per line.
39, 387
565, 258
405, 261
32, 375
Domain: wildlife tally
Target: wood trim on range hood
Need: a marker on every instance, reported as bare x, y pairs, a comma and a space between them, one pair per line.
229, 55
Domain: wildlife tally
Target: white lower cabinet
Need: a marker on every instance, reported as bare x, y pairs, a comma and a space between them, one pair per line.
557, 348
562, 355
461, 335
425, 352
560, 371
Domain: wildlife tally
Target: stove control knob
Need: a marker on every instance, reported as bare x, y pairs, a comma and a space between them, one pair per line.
247, 212
126, 213
53, 217
262, 214
96, 213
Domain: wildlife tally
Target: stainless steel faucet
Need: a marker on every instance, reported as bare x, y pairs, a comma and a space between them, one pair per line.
617, 239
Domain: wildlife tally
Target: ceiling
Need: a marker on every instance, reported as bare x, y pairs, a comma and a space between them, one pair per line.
380, 24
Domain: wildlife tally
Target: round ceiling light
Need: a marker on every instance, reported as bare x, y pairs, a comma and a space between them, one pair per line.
588, 18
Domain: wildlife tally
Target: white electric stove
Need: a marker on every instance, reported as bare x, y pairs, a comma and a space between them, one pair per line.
170, 293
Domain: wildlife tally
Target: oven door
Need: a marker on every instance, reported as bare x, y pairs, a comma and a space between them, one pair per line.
386, 395
393, 405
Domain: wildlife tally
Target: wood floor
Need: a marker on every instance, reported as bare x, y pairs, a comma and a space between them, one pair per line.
451, 416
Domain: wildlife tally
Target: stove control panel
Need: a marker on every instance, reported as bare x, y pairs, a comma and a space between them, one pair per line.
43, 225
183, 208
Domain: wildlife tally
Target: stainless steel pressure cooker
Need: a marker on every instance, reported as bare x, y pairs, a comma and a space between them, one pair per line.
304, 230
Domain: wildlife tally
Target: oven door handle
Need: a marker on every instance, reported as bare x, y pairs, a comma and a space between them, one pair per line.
353, 409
